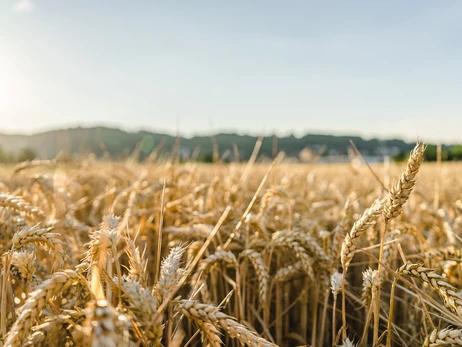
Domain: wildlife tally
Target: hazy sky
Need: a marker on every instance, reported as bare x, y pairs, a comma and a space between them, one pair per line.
364, 67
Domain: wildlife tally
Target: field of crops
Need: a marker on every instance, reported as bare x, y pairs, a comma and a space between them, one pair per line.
167, 254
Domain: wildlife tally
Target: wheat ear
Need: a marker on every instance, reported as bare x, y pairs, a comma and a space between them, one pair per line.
43, 237
350, 243
105, 324
31, 310
444, 337
211, 314
400, 192
18, 204
262, 272
447, 292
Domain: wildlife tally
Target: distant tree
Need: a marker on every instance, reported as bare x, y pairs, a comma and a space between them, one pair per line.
4, 156
27, 154
401, 156
205, 157
456, 153
430, 153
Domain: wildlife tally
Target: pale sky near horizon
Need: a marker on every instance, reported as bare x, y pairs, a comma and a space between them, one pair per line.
368, 68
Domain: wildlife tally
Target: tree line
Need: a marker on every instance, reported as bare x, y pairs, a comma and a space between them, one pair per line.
117, 144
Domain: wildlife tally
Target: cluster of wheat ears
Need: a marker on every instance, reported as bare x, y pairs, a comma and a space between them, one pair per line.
167, 254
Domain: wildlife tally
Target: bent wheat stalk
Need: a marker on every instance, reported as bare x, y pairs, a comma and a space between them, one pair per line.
212, 315
33, 306
447, 292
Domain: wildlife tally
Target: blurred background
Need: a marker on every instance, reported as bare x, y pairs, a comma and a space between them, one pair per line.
206, 79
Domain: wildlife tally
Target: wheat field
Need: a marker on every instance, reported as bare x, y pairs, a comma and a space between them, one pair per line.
165, 254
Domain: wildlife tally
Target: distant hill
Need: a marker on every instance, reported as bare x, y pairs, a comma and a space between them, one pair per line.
118, 143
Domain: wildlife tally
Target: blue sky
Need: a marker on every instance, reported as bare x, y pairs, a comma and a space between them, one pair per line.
345, 67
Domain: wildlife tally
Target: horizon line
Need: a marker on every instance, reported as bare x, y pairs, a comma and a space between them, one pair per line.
212, 132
